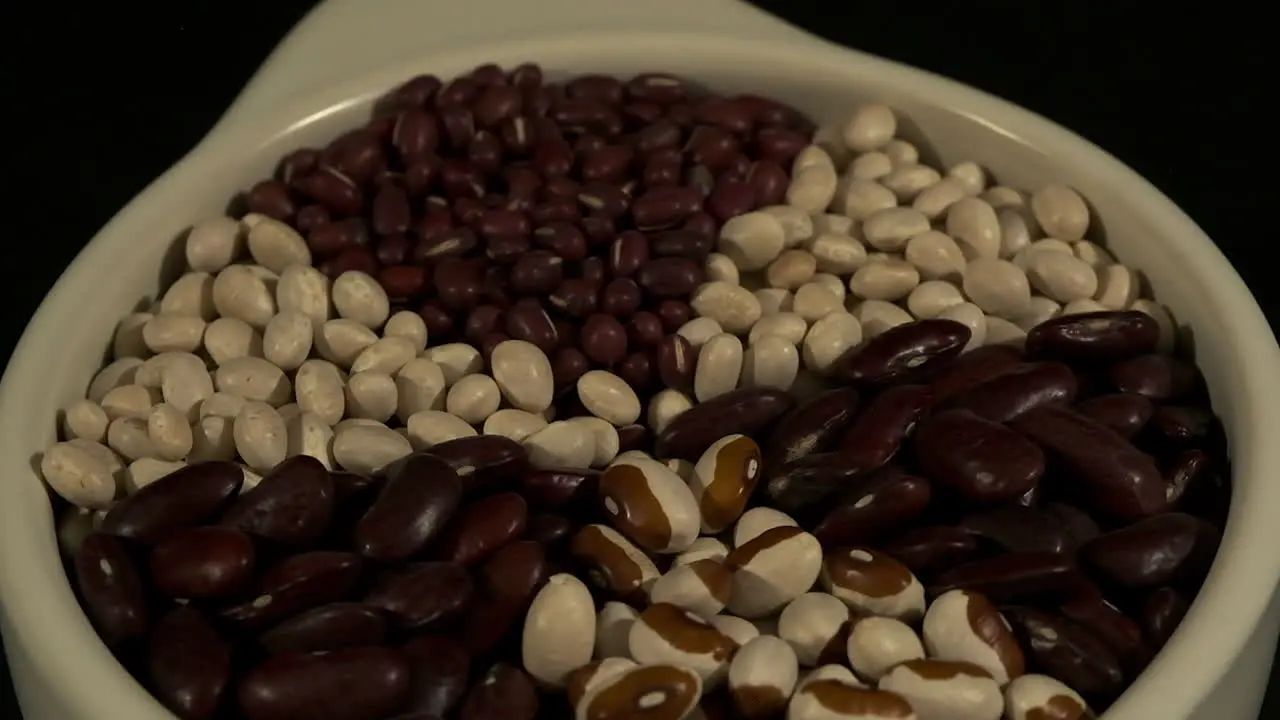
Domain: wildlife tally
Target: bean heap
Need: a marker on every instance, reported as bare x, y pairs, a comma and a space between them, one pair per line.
606, 399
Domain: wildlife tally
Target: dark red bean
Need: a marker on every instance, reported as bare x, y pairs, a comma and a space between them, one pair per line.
484, 460
554, 489
567, 366
507, 583
674, 314
295, 584
1068, 652
353, 684
331, 188
356, 258
111, 588
664, 207
483, 320
744, 411
1163, 549
1180, 425
874, 507
297, 163
681, 243
1117, 479
181, 499
670, 277
645, 330
271, 198
393, 250
1012, 393
575, 297
1194, 485
423, 593
637, 371
311, 217
452, 242
537, 272
507, 249
484, 527
905, 352
527, 320
808, 480
1124, 413
1158, 377
780, 145
550, 530
390, 211
332, 238
416, 133
603, 339
439, 668
502, 693
1097, 337
1078, 527
676, 362
1015, 528
564, 240
732, 198
1121, 635
620, 298
203, 562
459, 283
812, 427
628, 253
768, 182
1161, 614
928, 550
437, 319
292, 505
980, 460
1015, 577
886, 423
413, 507
973, 368
328, 627
188, 664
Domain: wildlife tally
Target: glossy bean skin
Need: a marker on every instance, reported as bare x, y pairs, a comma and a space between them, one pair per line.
1077, 525
1016, 577
876, 505
812, 427
550, 531
884, 425
423, 593
182, 499
480, 529
292, 505
1195, 484
1012, 393
809, 480
328, 627
111, 588
1121, 634
203, 562
1125, 413
494, 460
352, 684
558, 488
1116, 478
1158, 377
1161, 614
188, 663
973, 368
931, 549
905, 352
413, 507
1015, 528
1067, 652
502, 693
353, 496
505, 587
1168, 548
295, 584
1094, 338
439, 669
744, 412
980, 460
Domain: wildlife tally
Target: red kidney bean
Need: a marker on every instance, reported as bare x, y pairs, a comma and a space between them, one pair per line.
1015, 577
111, 588
621, 298
552, 531
1195, 485
1158, 377
1068, 652
439, 668
670, 277
507, 583
484, 461
1097, 337
488, 524
567, 366
292, 505
972, 369
1158, 550
1161, 614
502, 693
353, 684
905, 352
189, 665
271, 198
554, 489
423, 593
873, 507
681, 243
328, 627
181, 499
1075, 523
1124, 413
1116, 478
1180, 425
413, 507
768, 182
1019, 529
1120, 634
930, 549
812, 427
603, 339
295, 584
808, 480
1012, 393
980, 460
744, 411
886, 423
203, 562
734, 197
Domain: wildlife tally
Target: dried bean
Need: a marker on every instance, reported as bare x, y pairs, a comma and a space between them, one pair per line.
1068, 652
981, 460
884, 425
1012, 393
905, 352
739, 412
181, 499
421, 594
295, 584
328, 627
812, 427
1124, 413
354, 683
484, 527
1015, 577
1158, 550
189, 665
203, 562
417, 500
438, 667
111, 588
1097, 337
292, 505
873, 507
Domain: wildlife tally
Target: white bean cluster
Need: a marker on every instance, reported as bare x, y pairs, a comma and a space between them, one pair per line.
254, 356
872, 238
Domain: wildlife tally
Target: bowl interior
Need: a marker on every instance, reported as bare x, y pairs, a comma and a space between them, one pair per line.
132, 258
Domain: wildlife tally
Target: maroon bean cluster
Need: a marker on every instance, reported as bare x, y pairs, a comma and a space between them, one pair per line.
573, 215
328, 594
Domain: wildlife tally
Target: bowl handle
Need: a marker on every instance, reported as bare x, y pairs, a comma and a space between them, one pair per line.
345, 37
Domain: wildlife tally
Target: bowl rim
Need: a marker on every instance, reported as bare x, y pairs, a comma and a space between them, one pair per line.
37, 604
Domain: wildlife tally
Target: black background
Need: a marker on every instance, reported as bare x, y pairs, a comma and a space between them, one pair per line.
105, 96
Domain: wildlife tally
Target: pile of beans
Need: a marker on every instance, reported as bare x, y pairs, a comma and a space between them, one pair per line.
886, 443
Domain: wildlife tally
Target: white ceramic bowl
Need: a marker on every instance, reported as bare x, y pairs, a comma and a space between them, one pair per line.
1214, 668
